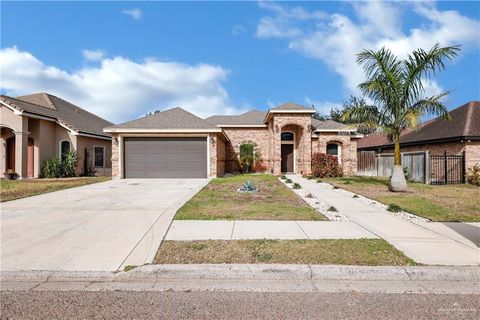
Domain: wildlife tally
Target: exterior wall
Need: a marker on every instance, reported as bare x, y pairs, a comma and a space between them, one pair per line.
301, 123
221, 155
237, 137
471, 148
89, 144
116, 140
348, 149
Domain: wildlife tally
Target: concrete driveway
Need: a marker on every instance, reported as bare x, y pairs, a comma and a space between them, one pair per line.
99, 227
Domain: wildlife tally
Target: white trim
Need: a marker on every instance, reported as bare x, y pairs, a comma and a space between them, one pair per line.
60, 147
104, 155
292, 111
242, 126
339, 150
14, 110
121, 151
294, 149
335, 130
132, 130
83, 134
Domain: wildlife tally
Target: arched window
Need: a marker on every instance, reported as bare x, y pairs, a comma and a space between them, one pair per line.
334, 149
287, 136
64, 148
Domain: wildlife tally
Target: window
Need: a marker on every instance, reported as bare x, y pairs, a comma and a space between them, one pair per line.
99, 153
333, 149
64, 148
287, 136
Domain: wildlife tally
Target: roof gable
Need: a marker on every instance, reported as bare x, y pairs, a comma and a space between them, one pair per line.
175, 118
249, 118
291, 106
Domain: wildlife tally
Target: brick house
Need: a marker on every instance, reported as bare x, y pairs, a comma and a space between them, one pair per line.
459, 135
40, 126
177, 144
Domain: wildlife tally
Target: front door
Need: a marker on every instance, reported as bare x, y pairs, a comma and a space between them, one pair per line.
287, 158
10, 161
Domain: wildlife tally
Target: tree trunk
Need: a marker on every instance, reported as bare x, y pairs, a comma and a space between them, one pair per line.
398, 183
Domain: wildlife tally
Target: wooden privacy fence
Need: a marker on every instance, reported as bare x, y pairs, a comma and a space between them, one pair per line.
420, 166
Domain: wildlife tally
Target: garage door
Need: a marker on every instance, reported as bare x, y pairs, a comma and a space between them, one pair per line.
165, 157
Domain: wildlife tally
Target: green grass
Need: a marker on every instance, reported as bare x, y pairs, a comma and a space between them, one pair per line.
16, 189
370, 252
437, 203
219, 200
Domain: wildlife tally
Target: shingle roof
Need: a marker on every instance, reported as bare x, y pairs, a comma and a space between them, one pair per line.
464, 123
329, 125
290, 106
253, 117
175, 118
51, 106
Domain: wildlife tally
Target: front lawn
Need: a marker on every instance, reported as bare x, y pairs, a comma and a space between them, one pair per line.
219, 200
370, 252
16, 189
438, 203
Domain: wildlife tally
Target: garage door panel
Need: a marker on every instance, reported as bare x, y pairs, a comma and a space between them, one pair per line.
165, 157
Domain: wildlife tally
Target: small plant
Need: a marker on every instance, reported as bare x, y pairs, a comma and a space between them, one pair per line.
332, 209
52, 168
355, 196
319, 181
308, 195
283, 177
248, 186
347, 182
473, 175
288, 181
129, 267
335, 187
310, 177
69, 163
393, 208
199, 246
297, 186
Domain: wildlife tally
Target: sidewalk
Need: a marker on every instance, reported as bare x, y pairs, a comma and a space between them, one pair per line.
419, 243
257, 229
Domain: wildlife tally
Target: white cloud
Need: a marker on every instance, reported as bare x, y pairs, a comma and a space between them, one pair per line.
323, 107
135, 13
120, 89
432, 88
336, 39
93, 55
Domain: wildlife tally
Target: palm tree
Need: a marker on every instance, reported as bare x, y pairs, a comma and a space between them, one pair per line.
396, 88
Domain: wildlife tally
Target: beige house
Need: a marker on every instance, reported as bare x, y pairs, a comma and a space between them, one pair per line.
177, 144
40, 126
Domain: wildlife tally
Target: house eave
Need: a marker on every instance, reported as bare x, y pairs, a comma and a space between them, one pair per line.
140, 130
307, 111
423, 142
242, 126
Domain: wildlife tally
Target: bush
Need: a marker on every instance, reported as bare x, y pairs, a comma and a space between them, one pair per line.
259, 166
283, 177
288, 181
297, 186
325, 166
473, 175
332, 209
52, 168
56, 168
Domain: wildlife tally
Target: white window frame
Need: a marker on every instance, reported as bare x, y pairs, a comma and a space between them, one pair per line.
294, 148
339, 151
104, 156
60, 147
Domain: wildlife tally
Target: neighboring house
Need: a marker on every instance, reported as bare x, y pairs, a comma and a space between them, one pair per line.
177, 144
459, 135
40, 126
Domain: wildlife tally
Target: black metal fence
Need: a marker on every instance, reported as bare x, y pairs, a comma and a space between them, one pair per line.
447, 169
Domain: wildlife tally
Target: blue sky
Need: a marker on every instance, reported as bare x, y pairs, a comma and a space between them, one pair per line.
123, 59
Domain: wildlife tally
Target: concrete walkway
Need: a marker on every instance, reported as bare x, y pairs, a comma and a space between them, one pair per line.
102, 226
419, 243
254, 229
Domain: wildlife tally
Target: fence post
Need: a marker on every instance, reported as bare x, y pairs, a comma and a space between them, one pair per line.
464, 166
427, 167
445, 166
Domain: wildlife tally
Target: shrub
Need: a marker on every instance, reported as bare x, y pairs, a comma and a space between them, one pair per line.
355, 196
52, 168
288, 181
393, 208
248, 156
297, 186
308, 195
259, 166
319, 181
283, 177
332, 209
325, 166
473, 175
69, 163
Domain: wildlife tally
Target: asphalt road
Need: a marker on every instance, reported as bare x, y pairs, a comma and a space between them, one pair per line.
234, 305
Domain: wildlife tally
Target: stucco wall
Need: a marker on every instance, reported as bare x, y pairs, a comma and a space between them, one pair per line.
89, 144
